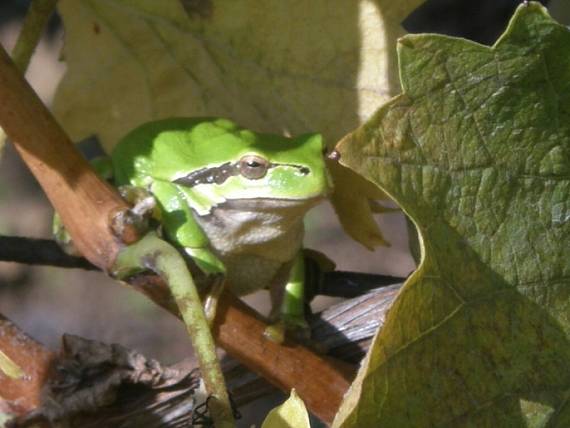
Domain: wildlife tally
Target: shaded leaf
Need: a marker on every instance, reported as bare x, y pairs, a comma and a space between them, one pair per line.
281, 67
477, 151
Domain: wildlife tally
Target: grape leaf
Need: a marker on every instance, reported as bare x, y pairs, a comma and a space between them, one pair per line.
477, 151
291, 414
273, 66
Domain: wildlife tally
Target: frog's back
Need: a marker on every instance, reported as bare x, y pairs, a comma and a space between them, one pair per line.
160, 148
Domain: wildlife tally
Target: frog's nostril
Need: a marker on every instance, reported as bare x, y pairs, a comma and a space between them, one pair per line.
334, 155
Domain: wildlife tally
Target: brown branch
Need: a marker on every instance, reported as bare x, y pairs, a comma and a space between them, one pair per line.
320, 381
23, 394
86, 203
343, 331
98, 385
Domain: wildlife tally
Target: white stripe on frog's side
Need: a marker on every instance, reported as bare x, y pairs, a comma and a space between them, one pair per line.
204, 197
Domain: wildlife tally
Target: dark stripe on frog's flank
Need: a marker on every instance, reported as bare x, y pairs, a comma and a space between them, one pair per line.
216, 175
219, 174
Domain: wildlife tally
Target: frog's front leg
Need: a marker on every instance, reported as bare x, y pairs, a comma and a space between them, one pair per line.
290, 302
187, 233
181, 228
142, 202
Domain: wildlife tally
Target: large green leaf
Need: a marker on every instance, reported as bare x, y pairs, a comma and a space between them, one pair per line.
477, 151
275, 66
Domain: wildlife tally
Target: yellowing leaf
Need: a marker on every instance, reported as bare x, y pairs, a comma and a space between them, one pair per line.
477, 151
274, 66
291, 414
352, 208
9, 367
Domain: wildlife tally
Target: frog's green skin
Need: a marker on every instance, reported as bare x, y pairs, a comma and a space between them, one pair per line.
246, 223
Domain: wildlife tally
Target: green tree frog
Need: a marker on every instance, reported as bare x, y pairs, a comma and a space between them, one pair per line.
231, 199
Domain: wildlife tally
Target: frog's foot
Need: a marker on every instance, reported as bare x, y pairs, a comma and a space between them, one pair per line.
275, 332
212, 298
142, 201
142, 206
292, 325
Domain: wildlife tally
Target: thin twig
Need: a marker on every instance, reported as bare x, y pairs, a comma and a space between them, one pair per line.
32, 28
47, 252
39, 252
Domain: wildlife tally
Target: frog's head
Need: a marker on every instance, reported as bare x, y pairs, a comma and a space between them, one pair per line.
214, 161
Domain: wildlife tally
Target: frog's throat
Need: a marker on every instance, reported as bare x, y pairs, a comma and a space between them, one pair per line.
219, 174
263, 227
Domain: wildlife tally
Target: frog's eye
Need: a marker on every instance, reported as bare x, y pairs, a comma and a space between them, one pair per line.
253, 167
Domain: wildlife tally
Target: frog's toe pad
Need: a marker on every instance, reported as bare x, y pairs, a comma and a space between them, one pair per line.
275, 332
295, 327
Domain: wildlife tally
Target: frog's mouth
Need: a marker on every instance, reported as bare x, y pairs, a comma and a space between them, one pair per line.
271, 204
219, 174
